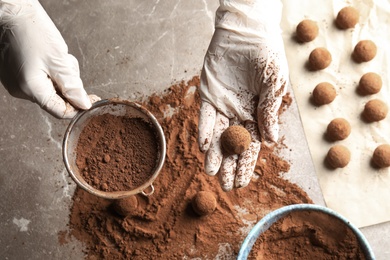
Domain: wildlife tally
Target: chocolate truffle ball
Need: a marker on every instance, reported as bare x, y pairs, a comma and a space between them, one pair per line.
375, 110
338, 129
338, 156
381, 156
347, 17
235, 139
204, 203
324, 93
319, 58
307, 30
364, 51
125, 206
370, 83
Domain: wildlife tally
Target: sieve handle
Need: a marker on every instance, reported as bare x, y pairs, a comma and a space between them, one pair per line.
151, 187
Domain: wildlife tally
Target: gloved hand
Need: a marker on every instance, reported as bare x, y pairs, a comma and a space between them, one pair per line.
34, 60
243, 80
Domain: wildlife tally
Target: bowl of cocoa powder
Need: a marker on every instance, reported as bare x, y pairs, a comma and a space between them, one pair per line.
305, 231
115, 149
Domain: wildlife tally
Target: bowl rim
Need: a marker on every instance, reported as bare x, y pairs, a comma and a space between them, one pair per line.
116, 194
275, 215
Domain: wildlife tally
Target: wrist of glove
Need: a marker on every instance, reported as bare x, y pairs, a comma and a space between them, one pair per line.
34, 60
255, 18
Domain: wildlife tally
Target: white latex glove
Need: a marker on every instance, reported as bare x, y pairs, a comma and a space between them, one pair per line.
34, 60
244, 77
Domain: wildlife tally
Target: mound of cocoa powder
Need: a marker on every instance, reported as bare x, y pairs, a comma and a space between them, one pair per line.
164, 226
307, 235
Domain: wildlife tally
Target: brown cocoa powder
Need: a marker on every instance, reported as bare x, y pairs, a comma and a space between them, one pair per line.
307, 235
164, 226
117, 153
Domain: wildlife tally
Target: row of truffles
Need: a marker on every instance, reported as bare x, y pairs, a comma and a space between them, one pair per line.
320, 58
324, 93
339, 156
369, 84
307, 30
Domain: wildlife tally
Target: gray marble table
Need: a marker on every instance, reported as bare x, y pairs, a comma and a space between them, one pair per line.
127, 49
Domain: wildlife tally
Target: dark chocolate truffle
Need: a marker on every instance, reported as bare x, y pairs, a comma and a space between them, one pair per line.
375, 110
347, 17
364, 51
338, 156
338, 129
235, 139
381, 156
125, 206
307, 30
204, 203
319, 58
324, 93
370, 83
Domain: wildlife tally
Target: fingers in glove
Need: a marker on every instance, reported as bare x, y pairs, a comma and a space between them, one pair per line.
228, 172
59, 108
65, 73
214, 154
206, 122
247, 160
46, 96
268, 119
273, 90
93, 98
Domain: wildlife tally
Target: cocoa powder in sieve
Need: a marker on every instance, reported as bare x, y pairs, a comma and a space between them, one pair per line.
117, 153
164, 226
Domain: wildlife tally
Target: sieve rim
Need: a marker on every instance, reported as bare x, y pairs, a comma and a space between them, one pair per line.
113, 194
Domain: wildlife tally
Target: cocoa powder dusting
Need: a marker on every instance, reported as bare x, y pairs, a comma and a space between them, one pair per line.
164, 225
117, 153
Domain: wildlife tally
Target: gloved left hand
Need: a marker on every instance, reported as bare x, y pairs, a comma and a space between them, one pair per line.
34, 60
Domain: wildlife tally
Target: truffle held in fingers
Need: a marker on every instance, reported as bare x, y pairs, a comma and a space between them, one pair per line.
338, 129
235, 139
370, 83
324, 93
347, 17
365, 50
306, 31
204, 203
381, 156
375, 110
338, 156
320, 58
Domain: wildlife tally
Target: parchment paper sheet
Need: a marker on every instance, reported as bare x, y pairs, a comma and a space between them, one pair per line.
358, 191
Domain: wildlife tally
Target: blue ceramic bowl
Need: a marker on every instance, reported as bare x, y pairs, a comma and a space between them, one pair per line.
275, 215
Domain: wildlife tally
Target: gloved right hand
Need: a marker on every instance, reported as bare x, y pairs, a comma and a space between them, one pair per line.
244, 78
35, 63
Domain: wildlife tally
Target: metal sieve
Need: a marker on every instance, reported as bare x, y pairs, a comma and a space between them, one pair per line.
118, 108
